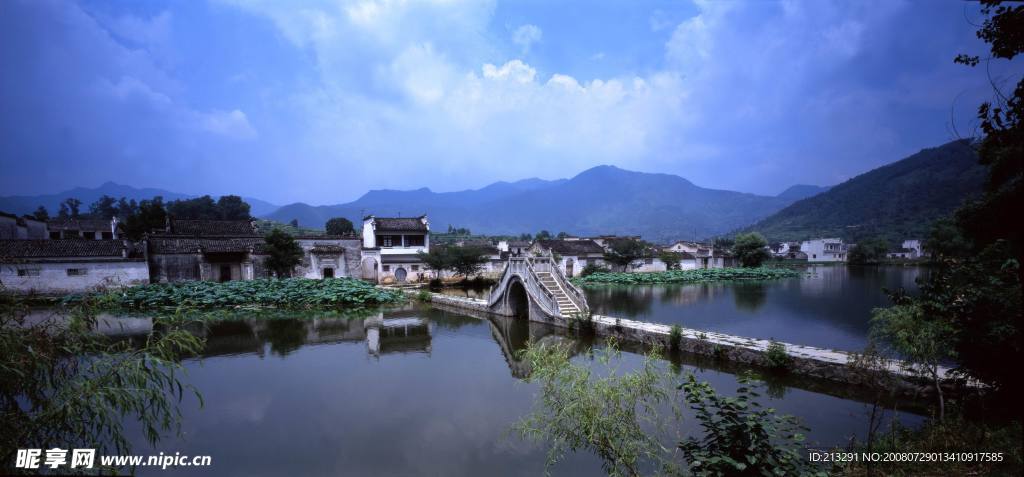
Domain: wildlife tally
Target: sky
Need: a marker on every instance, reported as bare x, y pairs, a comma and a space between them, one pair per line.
319, 101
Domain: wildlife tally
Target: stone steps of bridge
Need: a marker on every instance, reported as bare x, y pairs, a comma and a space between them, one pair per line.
565, 306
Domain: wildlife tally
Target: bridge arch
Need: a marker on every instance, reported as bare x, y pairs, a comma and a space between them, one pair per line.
517, 299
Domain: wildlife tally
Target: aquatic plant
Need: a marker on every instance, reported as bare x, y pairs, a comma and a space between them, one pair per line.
675, 336
270, 292
776, 356
689, 276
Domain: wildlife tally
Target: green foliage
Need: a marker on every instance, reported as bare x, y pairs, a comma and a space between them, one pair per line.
740, 437
69, 208
339, 226
41, 214
675, 337
149, 216
63, 384
543, 235
776, 357
228, 207
689, 276
622, 252
270, 292
872, 250
465, 261
424, 296
671, 259
750, 249
621, 418
592, 268
608, 415
283, 253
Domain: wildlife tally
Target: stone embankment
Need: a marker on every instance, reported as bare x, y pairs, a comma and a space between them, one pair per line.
833, 365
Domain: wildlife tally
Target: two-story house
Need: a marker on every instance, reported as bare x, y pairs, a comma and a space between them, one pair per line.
391, 247
824, 250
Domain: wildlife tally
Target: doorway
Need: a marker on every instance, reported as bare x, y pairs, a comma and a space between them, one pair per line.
225, 273
400, 275
328, 272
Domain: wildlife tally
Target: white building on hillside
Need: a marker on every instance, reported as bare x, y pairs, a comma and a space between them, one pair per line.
824, 250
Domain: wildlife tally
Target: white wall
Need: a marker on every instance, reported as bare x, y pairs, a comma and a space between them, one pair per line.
53, 277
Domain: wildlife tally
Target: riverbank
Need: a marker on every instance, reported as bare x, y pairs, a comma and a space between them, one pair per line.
688, 276
288, 293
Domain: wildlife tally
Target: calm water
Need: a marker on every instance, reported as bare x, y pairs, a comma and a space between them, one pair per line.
830, 306
416, 391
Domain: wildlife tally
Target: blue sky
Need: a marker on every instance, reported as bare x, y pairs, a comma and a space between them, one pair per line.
319, 101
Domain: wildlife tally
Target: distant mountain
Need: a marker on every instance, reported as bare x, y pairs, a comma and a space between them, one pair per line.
24, 204
601, 200
896, 201
801, 191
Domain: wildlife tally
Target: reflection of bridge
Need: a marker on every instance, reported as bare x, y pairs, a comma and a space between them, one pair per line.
535, 288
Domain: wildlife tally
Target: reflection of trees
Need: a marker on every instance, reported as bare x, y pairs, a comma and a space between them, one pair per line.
285, 335
750, 296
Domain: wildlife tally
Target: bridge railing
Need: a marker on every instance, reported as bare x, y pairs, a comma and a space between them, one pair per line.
523, 268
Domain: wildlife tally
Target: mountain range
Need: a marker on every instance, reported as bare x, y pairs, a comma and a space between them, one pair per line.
897, 201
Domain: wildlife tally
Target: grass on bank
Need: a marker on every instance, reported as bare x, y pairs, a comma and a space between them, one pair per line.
688, 276
269, 292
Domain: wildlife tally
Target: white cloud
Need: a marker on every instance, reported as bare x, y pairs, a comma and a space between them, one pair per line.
526, 35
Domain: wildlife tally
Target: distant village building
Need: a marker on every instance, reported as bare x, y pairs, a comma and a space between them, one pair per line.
824, 250
391, 247
59, 266
910, 250
570, 255
26, 227
515, 248
329, 256
89, 229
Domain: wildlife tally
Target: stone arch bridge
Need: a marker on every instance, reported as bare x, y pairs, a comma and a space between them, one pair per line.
535, 288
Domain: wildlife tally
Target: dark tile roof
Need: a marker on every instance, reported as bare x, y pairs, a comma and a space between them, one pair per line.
399, 224
208, 228
572, 247
327, 248
519, 243
85, 225
61, 248
173, 245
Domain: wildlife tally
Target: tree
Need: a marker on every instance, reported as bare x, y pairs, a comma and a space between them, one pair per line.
543, 235
562, 235
866, 251
200, 208
69, 208
103, 208
41, 214
60, 381
339, 226
622, 252
232, 207
150, 216
724, 244
283, 253
294, 223
671, 259
464, 261
750, 249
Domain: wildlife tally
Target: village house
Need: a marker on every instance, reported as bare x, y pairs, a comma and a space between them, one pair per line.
682, 246
824, 250
571, 255
215, 250
391, 247
26, 227
60, 266
515, 248
89, 229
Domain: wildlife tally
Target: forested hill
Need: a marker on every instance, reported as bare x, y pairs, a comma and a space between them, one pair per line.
896, 201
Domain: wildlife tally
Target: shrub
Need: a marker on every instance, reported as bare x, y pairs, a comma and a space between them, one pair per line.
776, 356
593, 268
424, 296
675, 337
689, 276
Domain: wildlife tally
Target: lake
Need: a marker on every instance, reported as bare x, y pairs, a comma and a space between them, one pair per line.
408, 391
828, 306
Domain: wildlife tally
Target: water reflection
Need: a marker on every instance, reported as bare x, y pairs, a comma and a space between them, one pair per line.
829, 306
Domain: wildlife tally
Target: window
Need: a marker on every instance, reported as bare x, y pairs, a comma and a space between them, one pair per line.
415, 268
108, 235
649, 261
388, 240
55, 235
28, 272
77, 272
414, 241
386, 268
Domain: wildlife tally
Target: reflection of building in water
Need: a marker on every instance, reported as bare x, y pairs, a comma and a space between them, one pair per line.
410, 334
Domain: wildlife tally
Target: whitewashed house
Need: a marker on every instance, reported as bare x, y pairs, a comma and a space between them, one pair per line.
70, 265
571, 255
391, 247
824, 250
